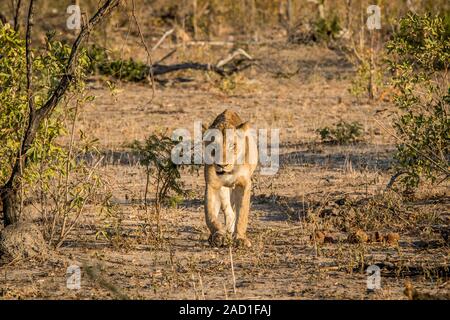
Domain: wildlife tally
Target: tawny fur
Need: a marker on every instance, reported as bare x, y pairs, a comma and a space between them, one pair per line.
229, 191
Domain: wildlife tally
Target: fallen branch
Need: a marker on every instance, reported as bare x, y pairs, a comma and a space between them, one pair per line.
141, 71
165, 35
393, 179
224, 67
167, 56
163, 69
238, 52
93, 272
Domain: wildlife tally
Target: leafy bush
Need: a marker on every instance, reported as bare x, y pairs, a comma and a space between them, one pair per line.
51, 173
419, 54
155, 154
341, 133
127, 70
48, 65
327, 29
368, 80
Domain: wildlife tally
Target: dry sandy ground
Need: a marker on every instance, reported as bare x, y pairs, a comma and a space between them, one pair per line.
310, 192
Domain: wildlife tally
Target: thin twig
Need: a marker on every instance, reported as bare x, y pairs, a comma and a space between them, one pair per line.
201, 286
225, 291
80, 210
167, 56
149, 56
232, 270
17, 15
165, 35
69, 156
238, 52
393, 179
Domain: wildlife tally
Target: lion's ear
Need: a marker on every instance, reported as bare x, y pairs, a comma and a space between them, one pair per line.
244, 126
204, 128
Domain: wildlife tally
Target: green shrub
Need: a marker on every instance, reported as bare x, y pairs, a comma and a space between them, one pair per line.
341, 133
368, 80
127, 70
327, 29
155, 154
419, 56
52, 173
48, 65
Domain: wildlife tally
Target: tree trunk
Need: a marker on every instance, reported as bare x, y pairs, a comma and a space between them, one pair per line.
10, 199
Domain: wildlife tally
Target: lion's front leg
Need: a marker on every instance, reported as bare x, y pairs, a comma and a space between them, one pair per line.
241, 201
230, 217
212, 209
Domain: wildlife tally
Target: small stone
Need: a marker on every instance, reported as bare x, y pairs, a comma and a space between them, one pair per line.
445, 233
358, 236
318, 237
376, 237
392, 238
328, 212
341, 202
329, 239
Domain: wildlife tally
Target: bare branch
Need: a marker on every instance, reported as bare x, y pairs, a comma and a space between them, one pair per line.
29, 61
393, 179
167, 56
224, 67
149, 56
241, 65
165, 35
238, 52
17, 16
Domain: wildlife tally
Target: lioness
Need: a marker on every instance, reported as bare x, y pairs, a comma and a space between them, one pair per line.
228, 179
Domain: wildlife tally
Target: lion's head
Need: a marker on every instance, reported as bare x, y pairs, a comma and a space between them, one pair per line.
225, 143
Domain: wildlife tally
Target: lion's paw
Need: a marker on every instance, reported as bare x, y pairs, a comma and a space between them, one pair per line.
242, 242
218, 239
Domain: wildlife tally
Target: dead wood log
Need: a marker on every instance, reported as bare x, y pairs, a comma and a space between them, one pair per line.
225, 67
239, 66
